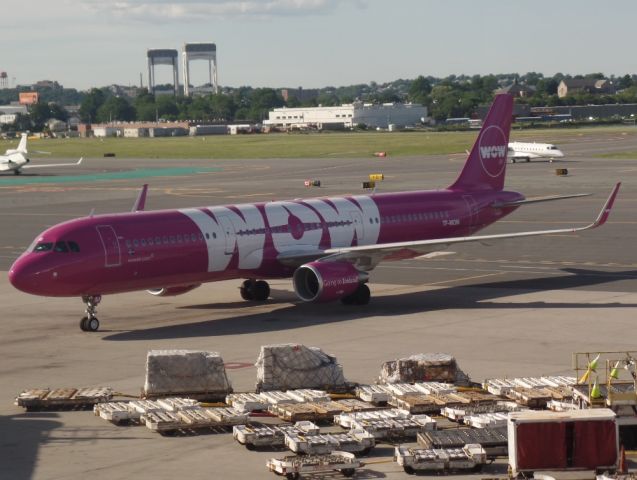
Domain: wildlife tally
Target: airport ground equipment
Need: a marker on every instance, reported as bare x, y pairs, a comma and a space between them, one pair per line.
63, 398
293, 466
575, 440
493, 440
353, 441
468, 458
255, 435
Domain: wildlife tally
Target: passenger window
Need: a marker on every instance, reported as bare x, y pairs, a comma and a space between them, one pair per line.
193, 237
157, 240
129, 244
61, 247
43, 247
75, 248
150, 241
136, 243
143, 242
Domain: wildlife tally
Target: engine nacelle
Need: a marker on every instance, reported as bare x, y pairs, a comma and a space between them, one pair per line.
326, 281
172, 291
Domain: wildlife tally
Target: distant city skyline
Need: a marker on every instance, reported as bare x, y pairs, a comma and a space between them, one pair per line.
314, 43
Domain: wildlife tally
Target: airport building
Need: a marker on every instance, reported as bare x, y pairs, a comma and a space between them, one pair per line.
348, 116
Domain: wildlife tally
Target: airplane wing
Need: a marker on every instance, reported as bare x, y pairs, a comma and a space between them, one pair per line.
39, 165
366, 257
548, 198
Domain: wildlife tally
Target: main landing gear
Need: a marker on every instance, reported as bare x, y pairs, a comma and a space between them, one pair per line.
90, 323
359, 297
255, 290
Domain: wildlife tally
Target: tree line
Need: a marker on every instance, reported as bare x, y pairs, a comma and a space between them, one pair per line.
452, 96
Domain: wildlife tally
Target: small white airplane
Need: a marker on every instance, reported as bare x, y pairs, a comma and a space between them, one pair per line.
527, 151
15, 160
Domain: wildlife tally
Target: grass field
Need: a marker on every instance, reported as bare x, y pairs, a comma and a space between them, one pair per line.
315, 145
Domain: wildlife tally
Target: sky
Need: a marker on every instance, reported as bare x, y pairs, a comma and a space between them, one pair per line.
314, 43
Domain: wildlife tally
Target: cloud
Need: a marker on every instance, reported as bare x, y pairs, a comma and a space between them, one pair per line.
167, 10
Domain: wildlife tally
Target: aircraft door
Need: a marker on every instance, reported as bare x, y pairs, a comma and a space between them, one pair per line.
112, 253
359, 227
229, 234
472, 208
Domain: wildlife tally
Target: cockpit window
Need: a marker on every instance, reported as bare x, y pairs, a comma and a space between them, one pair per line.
74, 247
43, 247
61, 247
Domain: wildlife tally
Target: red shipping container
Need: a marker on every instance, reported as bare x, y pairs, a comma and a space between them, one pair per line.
579, 439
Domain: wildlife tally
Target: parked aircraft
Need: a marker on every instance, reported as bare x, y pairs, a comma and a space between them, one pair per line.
16, 160
327, 246
527, 151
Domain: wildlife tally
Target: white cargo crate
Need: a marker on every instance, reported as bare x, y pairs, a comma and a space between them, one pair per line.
308, 395
175, 404
115, 412
400, 389
262, 435
355, 441
484, 420
246, 402
431, 388
499, 386
373, 393
277, 397
469, 457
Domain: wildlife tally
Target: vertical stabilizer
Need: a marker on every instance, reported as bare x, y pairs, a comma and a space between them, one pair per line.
22, 146
485, 168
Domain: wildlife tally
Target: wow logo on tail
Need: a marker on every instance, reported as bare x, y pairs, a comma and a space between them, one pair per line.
492, 148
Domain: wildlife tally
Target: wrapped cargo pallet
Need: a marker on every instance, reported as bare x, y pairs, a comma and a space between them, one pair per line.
422, 367
185, 372
290, 366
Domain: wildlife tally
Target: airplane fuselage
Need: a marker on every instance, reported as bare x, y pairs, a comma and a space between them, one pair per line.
178, 248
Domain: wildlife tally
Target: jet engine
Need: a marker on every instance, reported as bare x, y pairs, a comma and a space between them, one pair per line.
172, 291
327, 281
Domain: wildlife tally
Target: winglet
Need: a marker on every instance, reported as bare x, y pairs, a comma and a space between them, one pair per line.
605, 212
140, 203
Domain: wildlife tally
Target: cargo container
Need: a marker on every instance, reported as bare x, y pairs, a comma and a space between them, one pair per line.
574, 440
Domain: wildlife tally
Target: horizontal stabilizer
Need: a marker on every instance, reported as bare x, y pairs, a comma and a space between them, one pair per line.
527, 201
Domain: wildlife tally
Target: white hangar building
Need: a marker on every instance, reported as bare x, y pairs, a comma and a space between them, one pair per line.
348, 115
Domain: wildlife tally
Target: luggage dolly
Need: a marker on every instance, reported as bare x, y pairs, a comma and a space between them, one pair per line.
292, 467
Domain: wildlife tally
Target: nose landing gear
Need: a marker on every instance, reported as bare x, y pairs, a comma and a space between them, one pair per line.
90, 323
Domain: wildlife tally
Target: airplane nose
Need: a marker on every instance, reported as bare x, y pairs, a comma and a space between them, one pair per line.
23, 278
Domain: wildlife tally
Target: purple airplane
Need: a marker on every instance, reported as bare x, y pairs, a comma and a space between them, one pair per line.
327, 246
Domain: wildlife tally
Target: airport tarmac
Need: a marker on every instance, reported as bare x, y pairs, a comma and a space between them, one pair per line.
518, 307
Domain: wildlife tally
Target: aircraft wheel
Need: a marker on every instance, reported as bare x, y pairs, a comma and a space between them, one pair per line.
513, 160
362, 295
246, 290
92, 324
261, 291
528, 160
83, 326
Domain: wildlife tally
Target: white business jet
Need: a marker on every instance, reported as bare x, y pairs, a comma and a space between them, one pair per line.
527, 151
15, 160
